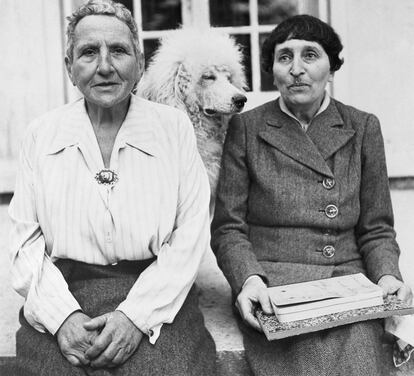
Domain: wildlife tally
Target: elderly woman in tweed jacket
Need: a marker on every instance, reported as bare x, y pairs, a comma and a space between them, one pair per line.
303, 195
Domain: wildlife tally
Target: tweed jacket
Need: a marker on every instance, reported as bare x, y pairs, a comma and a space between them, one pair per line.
294, 206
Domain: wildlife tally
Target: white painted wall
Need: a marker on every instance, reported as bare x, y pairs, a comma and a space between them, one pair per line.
378, 74
31, 72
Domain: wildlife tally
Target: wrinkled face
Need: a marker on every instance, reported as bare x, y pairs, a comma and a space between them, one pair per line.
216, 94
104, 67
301, 70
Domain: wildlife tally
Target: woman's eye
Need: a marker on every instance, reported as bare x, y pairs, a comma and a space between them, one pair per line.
119, 50
88, 52
310, 55
284, 58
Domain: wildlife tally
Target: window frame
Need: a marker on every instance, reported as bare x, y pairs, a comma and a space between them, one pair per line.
197, 12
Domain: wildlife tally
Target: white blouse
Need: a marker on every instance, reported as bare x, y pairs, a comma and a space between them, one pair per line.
159, 207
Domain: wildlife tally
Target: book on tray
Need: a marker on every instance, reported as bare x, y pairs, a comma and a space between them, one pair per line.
322, 304
305, 300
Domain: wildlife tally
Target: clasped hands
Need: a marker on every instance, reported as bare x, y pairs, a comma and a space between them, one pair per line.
254, 293
104, 341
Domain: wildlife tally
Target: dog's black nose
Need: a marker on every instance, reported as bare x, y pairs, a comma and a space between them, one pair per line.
239, 100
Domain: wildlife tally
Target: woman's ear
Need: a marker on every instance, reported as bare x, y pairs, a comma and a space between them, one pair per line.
68, 65
140, 71
331, 76
141, 65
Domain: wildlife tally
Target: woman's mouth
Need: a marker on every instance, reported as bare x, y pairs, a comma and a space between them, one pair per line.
105, 84
298, 86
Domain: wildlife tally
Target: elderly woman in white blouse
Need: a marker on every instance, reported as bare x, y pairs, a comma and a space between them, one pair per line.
110, 221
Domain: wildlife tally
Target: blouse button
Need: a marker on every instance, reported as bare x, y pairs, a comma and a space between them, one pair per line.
328, 183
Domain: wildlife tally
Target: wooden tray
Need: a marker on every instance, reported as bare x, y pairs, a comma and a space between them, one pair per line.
273, 329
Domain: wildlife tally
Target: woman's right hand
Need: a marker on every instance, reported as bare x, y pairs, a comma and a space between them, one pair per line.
74, 340
253, 293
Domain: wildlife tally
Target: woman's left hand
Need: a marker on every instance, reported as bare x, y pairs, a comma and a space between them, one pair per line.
392, 286
117, 341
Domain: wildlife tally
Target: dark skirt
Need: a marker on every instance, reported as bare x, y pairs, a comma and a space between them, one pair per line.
350, 350
184, 347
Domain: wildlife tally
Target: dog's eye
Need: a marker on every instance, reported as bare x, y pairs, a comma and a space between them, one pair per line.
208, 77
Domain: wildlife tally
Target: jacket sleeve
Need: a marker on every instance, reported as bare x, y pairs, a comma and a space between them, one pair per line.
375, 231
230, 230
48, 301
162, 288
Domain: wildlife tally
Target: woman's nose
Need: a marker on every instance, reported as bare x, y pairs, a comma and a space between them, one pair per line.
296, 68
105, 64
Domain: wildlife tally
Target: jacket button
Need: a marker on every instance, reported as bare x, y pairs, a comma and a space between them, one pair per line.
328, 251
328, 183
331, 211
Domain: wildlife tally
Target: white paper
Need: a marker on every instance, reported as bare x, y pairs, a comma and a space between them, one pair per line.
402, 327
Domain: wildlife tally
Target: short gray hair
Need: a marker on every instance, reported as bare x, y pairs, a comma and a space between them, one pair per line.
101, 7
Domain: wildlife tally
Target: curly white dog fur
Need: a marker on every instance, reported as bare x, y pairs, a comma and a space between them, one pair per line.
201, 73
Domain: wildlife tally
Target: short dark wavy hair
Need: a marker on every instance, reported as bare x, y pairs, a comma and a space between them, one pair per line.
307, 28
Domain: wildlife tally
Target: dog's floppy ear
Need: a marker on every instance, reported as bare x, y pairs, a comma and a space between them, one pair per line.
165, 82
182, 82
183, 90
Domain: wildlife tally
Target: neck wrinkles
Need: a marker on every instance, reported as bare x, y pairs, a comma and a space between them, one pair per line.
107, 118
304, 115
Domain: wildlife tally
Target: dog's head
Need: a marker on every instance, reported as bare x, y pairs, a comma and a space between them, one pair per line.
211, 89
199, 71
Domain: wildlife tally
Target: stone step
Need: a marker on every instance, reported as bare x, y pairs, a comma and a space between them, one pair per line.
215, 303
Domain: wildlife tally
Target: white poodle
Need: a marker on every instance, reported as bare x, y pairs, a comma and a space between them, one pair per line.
200, 72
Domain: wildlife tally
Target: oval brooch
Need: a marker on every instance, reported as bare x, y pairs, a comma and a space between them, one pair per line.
106, 177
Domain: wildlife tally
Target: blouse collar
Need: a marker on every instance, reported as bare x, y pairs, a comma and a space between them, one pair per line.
322, 108
75, 128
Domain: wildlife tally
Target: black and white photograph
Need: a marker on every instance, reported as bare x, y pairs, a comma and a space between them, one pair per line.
206, 188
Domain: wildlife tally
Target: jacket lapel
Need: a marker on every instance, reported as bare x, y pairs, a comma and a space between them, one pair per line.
285, 134
329, 132
325, 136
